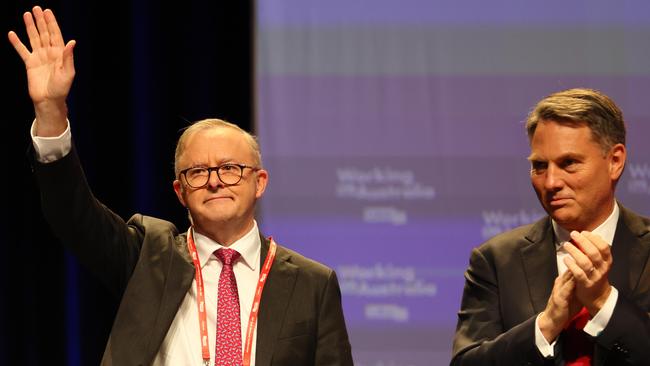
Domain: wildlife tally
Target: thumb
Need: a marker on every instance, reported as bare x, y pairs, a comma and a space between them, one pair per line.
68, 58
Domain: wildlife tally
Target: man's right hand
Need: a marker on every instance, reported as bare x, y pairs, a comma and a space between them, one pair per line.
50, 69
562, 306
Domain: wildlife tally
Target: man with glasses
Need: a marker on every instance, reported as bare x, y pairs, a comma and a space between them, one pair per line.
220, 293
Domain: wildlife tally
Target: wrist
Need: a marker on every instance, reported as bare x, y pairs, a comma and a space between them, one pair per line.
599, 302
51, 118
549, 328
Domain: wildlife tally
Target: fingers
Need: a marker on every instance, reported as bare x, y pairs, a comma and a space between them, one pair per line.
562, 290
23, 52
560, 304
589, 263
68, 60
579, 264
53, 28
589, 251
576, 270
567, 284
32, 33
601, 245
42, 26
566, 277
42, 31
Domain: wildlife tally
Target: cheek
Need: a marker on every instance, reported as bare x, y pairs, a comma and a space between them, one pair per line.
537, 183
581, 184
192, 198
249, 194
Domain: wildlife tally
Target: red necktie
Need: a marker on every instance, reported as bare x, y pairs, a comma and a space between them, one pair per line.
228, 319
577, 346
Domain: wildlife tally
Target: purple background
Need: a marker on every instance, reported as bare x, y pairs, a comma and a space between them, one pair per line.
393, 133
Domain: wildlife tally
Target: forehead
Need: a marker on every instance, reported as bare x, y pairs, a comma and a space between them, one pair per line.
553, 139
217, 144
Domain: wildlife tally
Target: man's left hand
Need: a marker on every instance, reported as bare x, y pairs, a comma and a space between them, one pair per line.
590, 262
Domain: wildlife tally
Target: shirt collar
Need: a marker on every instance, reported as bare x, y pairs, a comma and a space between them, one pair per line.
248, 246
606, 230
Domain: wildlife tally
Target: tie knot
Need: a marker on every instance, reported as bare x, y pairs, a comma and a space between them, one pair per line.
227, 256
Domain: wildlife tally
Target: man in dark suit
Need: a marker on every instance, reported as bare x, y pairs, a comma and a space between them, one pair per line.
574, 287
170, 283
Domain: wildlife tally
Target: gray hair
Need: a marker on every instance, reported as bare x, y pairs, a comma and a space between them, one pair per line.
214, 123
581, 106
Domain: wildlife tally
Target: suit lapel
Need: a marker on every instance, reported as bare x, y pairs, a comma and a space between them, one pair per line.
630, 251
540, 263
178, 281
275, 299
180, 277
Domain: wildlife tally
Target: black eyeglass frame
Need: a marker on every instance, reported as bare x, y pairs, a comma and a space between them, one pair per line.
215, 169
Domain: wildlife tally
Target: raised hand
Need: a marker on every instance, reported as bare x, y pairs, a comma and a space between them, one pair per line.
590, 262
50, 69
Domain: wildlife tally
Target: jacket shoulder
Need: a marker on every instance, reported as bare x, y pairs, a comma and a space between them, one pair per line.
517, 238
305, 264
152, 225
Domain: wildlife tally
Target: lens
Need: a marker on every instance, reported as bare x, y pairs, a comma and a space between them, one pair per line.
230, 173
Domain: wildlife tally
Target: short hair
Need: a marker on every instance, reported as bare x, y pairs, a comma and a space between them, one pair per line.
581, 106
210, 123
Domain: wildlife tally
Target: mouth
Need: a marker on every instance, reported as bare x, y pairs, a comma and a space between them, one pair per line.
558, 201
216, 199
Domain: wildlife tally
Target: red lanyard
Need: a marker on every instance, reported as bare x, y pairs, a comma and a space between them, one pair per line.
200, 294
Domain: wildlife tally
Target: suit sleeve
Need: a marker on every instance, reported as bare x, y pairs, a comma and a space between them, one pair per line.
627, 335
99, 238
480, 335
332, 343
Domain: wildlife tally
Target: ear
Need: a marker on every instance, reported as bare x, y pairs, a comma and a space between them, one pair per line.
617, 161
178, 188
260, 183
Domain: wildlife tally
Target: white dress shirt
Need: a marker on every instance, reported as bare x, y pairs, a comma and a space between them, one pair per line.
182, 344
606, 231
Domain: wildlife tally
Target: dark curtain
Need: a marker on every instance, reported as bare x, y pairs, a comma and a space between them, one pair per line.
144, 70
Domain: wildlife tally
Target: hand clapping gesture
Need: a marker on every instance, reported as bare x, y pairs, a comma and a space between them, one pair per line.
585, 283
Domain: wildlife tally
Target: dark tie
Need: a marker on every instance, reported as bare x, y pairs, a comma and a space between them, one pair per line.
577, 346
228, 351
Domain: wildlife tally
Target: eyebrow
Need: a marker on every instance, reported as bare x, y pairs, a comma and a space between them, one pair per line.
220, 162
533, 157
570, 155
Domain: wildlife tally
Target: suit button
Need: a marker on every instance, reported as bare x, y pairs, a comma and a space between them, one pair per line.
619, 348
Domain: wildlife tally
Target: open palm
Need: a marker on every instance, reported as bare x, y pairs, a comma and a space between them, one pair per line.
50, 66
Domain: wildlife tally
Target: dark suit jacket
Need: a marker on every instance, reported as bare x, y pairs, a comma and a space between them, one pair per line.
146, 262
508, 283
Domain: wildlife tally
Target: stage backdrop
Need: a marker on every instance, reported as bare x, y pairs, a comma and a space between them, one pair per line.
393, 133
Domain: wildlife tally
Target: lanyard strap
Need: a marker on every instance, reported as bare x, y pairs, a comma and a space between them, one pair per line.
252, 319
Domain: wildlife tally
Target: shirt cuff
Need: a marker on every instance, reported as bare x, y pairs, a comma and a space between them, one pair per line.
542, 344
50, 149
598, 323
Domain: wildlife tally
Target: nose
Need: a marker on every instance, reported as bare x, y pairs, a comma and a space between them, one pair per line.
553, 180
213, 180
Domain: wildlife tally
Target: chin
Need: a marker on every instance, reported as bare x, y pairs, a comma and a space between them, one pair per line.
216, 216
567, 223
219, 218
562, 217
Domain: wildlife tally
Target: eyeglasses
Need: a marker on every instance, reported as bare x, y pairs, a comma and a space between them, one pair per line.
229, 174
